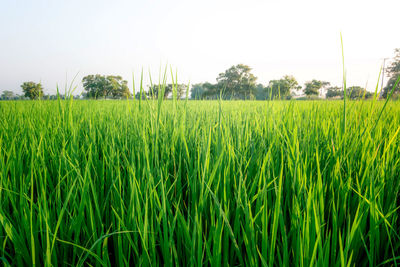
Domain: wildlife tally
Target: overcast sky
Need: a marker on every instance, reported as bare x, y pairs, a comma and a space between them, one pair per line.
49, 40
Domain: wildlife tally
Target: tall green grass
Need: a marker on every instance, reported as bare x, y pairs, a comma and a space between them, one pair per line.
153, 182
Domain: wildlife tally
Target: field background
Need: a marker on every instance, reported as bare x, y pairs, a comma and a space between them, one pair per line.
199, 183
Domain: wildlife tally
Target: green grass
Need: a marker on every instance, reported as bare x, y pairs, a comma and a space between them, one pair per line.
193, 183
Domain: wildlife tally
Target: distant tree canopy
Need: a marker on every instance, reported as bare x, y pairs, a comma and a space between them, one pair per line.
98, 86
283, 87
154, 90
314, 87
197, 91
358, 92
261, 92
143, 96
277, 89
211, 91
393, 72
7, 95
32, 90
237, 82
334, 91
353, 92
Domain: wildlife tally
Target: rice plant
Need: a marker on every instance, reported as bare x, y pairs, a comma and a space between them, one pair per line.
193, 183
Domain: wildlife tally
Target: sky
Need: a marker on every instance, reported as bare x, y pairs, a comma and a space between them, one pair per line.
52, 41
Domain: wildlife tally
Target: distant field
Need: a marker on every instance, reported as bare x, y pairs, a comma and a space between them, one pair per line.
199, 183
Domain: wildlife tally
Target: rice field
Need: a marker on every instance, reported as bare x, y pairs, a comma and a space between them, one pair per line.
199, 183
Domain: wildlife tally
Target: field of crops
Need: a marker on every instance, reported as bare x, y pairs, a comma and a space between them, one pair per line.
192, 183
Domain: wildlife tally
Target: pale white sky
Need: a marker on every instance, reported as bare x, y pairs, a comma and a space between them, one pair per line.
43, 40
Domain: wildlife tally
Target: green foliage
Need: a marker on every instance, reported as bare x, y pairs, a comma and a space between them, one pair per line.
212, 91
261, 92
143, 97
334, 91
119, 87
314, 87
237, 82
101, 86
176, 183
358, 92
394, 67
389, 86
154, 90
282, 88
32, 90
197, 91
7, 95
354, 92
393, 72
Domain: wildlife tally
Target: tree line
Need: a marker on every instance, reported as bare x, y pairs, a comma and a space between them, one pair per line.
237, 82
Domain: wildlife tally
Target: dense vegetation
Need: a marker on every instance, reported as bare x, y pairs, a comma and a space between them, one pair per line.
199, 183
393, 71
235, 83
101, 86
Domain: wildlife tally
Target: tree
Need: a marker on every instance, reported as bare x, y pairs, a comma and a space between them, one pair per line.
180, 90
105, 86
197, 91
394, 68
334, 91
389, 86
358, 92
137, 96
168, 90
353, 92
95, 85
32, 90
314, 87
52, 97
393, 72
211, 91
283, 88
7, 95
155, 90
261, 92
118, 87
237, 82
